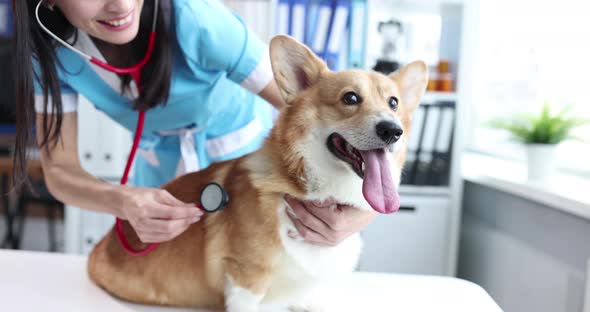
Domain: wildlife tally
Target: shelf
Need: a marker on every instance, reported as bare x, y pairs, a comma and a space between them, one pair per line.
414, 5
425, 190
433, 97
563, 192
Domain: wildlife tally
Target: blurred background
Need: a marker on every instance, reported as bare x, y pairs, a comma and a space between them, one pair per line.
495, 186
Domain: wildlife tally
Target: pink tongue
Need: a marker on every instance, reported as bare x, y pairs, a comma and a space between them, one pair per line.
378, 187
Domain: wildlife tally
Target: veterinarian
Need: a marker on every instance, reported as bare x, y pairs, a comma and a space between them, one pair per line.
205, 90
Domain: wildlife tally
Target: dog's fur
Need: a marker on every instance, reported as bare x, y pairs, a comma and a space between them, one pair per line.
243, 256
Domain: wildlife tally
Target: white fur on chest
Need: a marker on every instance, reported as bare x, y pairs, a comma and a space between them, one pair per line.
302, 265
313, 260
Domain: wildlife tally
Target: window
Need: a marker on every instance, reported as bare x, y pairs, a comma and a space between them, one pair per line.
530, 52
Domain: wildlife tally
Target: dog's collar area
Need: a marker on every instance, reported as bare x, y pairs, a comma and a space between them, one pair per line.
213, 198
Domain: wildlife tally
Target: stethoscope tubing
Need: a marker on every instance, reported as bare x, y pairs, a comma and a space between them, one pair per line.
135, 73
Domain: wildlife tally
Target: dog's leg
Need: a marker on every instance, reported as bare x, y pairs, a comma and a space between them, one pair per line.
246, 286
238, 299
310, 300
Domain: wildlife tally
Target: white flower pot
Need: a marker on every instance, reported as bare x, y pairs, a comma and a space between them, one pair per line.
541, 161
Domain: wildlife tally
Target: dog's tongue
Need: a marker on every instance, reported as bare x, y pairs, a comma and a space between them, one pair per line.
378, 187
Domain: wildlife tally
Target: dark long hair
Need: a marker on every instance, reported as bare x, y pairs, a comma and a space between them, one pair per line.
30, 41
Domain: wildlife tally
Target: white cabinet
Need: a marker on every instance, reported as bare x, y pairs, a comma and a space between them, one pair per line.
103, 148
425, 240
103, 145
84, 229
412, 240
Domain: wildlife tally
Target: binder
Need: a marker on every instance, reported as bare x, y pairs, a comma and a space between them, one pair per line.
430, 145
408, 175
427, 145
337, 31
313, 7
357, 39
439, 170
322, 28
282, 21
297, 19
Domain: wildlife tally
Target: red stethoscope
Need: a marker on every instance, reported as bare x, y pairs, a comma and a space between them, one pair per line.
213, 196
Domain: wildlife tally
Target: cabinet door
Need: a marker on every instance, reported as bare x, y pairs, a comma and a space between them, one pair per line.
84, 229
412, 240
94, 227
88, 131
103, 144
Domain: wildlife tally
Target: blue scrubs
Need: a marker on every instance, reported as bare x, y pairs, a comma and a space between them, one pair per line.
213, 112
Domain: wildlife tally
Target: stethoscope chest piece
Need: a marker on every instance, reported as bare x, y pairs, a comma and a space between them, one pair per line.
213, 197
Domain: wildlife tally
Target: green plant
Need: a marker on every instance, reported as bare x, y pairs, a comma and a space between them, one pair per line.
543, 128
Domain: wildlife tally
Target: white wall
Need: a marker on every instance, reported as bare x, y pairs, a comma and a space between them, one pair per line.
529, 257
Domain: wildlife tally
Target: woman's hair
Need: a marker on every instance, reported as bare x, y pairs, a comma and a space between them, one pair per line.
30, 41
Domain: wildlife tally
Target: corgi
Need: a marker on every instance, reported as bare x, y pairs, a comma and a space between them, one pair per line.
343, 136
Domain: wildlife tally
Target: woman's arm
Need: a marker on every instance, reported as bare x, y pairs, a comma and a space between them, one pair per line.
66, 179
154, 213
272, 95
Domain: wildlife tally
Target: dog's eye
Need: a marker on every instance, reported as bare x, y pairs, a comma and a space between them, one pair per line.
392, 103
351, 98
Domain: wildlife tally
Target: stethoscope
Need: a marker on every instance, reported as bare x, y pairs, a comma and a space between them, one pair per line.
213, 196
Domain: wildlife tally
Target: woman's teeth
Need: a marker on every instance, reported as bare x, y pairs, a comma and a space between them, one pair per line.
117, 23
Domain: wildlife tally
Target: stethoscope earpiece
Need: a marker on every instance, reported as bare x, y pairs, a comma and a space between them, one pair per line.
213, 197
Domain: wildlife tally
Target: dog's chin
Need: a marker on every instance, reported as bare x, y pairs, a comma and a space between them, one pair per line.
344, 151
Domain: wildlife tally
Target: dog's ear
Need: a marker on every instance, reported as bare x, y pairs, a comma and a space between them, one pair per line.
295, 66
412, 80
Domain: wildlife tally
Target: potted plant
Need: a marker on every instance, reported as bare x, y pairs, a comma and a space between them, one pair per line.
541, 133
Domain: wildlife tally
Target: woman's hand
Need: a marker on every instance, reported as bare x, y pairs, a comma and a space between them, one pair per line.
156, 215
326, 223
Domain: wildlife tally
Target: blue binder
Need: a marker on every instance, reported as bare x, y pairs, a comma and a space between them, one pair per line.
297, 19
5, 18
282, 17
337, 33
322, 28
313, 7
357, 34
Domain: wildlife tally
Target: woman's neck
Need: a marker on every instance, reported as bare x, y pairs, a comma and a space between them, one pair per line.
115, 55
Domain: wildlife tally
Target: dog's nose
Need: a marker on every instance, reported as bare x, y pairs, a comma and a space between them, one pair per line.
389, 131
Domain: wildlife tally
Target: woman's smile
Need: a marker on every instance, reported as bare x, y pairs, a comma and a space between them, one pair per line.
119, 24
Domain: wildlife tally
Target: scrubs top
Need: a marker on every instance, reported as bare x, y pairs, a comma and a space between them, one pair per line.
213, 112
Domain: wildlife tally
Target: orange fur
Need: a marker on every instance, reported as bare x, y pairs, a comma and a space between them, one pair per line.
243, 240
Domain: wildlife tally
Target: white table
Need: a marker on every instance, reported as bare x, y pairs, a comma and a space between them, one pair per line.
34, 281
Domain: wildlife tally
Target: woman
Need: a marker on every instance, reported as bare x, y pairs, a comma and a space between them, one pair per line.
202, 90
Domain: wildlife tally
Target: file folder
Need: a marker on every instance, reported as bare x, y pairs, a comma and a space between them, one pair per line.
282, 20
297, 19
337, 32
313, 7
357, 35
439, 170
430, 145
424, 157
322, 33
414, 140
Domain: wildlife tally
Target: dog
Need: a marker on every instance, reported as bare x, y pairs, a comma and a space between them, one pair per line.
343, 136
